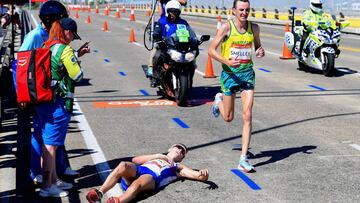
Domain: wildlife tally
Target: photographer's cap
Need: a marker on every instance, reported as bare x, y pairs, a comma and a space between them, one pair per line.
70, 24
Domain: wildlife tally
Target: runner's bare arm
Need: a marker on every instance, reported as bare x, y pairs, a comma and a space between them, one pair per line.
260, 52
222, 33
144, 158
186, 172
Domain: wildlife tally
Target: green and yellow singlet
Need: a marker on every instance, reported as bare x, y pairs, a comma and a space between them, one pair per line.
238, 45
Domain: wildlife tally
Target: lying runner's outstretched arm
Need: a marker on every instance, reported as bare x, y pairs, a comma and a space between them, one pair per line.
144, 158
186, 172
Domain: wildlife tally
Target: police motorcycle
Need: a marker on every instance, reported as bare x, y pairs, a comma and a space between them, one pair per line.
320, 48
177, 64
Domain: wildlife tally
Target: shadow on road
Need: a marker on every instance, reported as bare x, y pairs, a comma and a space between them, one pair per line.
277, 155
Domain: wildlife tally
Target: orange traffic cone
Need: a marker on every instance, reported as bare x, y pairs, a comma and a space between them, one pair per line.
286, 53
105, 26
89, 9
88, 19
82, 7
77, 14
123, 9
96, 9
132, 14
209, 72
106, 11
117, 14
132, 35
148, 13
218, 24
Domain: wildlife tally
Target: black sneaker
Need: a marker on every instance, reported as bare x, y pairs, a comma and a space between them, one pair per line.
153, 82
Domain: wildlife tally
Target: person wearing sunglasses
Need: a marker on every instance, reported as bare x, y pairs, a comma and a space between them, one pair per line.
147, 173
237, 37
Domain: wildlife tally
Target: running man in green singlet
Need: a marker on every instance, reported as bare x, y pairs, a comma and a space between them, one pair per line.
237, 37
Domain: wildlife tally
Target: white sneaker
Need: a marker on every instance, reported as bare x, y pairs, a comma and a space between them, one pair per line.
38, 179
63, 185
71, 172
53, 191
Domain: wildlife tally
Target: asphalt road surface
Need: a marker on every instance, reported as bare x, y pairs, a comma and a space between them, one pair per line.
306, 136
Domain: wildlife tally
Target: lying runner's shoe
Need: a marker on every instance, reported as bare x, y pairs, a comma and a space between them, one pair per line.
94, 196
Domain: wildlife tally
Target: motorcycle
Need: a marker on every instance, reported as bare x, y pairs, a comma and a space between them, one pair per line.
176, 64
320, 48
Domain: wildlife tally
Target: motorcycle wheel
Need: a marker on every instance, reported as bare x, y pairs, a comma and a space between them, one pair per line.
182, 89
329, 65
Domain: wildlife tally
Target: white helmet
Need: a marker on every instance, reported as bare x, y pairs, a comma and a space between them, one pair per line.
173, 4
316, 5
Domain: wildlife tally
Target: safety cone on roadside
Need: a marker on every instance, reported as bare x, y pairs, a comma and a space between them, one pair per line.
97, 9
148, 13
209, 71
106, 11
124, 9
218, 24
105, 29
88, 19
77, 14
286, 54
82, 7
117, 14
132, 35
88, 8
132, 14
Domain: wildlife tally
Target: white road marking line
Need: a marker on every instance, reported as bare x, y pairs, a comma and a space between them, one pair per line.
98, 158
138, 44
199, 72
272, 53
355, 146
34, 19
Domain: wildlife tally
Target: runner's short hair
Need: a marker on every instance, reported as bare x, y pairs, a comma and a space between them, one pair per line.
235, 1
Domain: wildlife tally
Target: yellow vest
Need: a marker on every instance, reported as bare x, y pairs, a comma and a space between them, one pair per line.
238, 45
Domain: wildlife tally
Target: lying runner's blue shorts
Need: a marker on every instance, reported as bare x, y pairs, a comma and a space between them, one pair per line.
234, 82
140, 170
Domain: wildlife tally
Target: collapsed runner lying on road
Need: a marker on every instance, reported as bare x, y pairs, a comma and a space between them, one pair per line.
147, 173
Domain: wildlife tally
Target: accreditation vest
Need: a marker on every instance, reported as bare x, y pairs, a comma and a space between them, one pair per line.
238, 45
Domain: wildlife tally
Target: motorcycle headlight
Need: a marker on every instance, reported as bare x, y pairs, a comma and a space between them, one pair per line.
190, 56
174, 55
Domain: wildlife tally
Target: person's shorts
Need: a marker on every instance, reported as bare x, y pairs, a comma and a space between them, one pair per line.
234, 82
140, 170
53, 121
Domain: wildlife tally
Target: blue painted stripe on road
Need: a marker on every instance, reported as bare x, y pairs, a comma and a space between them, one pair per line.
107, 60
246, 179
145, 93
180, 123
96, 51
265, 70
122, 73
317, 87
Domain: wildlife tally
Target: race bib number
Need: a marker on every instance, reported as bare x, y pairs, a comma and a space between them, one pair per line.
182, 33
241, 52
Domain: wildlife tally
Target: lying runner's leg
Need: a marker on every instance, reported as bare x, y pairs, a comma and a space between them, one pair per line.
125, 170
143, 183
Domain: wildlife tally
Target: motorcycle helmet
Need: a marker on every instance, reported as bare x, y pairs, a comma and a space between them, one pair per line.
51, 11
316, 6
173, 6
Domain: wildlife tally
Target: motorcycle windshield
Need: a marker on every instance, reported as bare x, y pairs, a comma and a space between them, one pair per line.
183, 39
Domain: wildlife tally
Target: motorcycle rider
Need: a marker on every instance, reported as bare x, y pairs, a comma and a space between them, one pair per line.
165, 28
314, 14
162, 13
